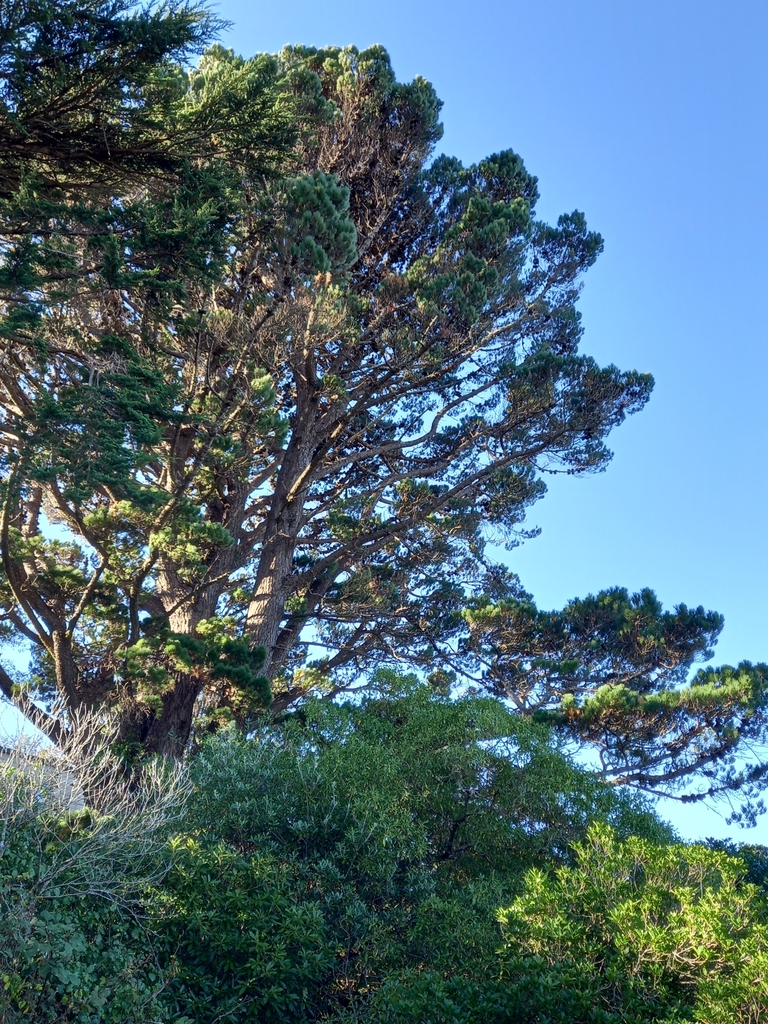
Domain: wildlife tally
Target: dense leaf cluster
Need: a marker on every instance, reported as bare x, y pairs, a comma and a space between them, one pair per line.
404, 858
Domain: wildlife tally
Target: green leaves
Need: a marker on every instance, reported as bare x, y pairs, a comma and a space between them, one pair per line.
599, 639
241, 936
450, 784
640, 933
152, 665
100, 429
318, 228
348, 864
73, 934
75, 79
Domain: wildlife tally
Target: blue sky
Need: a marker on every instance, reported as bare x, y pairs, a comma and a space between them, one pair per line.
650, 117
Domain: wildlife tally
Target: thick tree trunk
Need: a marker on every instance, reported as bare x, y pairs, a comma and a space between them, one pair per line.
267, 607
273, 578
66, 669
166, 732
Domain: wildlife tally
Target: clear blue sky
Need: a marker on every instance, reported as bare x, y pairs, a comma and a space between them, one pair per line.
650, 116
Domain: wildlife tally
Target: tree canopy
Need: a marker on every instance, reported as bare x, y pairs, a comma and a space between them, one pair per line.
275, 374
612, 671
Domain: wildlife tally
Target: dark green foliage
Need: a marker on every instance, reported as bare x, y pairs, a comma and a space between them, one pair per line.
96, 432
609, 638
754, 858
316, 220
490, 788
242, 938
74, 77
73, 959
215, 654
348, 865
612, 671
93, 95
404, 819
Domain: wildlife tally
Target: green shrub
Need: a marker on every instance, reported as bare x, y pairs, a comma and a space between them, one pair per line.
637, 933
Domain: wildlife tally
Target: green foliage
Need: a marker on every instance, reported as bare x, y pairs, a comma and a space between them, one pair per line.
635, 932
74, 960
87, 87
100, 430
612, 671
271, 373
153, 661
316, 220
754, 858
489, 787
74, 946
348, 864
242, 939
407, 818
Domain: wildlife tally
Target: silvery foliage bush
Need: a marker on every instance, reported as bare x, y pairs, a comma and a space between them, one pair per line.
83, 839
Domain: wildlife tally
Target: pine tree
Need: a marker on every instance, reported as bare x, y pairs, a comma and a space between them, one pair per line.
262, 411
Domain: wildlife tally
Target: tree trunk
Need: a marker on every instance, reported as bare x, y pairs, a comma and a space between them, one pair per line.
273, 578
165, 733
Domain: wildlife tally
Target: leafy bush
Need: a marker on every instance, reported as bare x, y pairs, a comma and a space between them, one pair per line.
639, 933
346, 865
241, 939
407, 819
74, 946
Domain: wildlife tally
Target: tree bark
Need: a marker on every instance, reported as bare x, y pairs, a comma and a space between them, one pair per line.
273, 577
